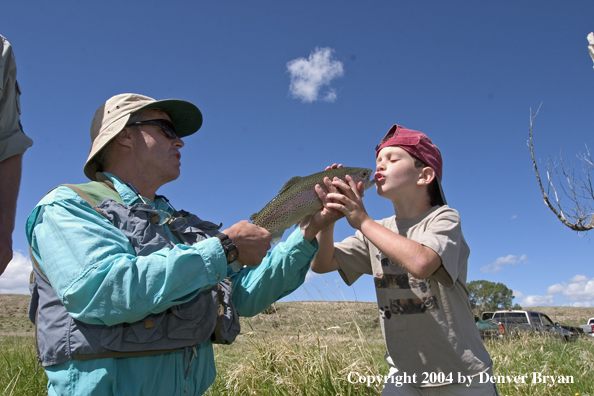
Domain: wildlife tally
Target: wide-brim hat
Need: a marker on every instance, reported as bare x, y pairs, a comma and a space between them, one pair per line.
112, 117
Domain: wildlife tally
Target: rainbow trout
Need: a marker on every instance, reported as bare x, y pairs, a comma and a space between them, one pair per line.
297, 199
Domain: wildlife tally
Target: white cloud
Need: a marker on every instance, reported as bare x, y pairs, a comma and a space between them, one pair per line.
578, 292
533, 300
15, 279
555, 289
309, 76
579, 278
507, 260
537, 301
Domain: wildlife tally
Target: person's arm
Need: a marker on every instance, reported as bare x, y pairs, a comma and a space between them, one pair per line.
281, 272
324, 261
419, 260
13, 143
285, 268
95, 272
10, 177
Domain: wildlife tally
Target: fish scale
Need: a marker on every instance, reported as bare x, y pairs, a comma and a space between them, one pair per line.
297, 200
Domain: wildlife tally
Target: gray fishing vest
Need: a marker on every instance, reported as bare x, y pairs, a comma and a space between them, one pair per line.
209, 315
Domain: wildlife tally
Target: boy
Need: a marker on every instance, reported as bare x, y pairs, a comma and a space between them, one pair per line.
418, 259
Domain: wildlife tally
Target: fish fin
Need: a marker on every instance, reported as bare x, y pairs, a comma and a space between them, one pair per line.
276, 235
305, 222
289, 183
253, 217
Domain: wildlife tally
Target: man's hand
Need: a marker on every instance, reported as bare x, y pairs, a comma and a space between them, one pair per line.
252, 242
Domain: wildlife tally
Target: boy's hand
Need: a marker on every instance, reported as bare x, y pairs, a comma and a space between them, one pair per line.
347, 199
326, 216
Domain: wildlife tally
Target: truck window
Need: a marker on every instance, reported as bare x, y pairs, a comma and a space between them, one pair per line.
535, 319
547, 321
511, 317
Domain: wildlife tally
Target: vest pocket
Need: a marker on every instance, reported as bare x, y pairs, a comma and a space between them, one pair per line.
196, 319
125, 336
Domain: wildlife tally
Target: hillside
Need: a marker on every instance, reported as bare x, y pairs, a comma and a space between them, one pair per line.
289, 318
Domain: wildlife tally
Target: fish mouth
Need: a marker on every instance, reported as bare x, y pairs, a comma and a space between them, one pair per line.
368, 183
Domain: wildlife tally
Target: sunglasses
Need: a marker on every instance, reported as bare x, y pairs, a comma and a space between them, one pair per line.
166, 126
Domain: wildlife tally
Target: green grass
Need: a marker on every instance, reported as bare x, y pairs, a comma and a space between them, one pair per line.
309, 348
544, 356
19, 372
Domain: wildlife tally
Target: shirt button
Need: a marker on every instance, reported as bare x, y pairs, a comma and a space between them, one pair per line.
186, 389
217, 276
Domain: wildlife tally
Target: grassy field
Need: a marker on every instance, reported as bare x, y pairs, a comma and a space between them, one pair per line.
310, 348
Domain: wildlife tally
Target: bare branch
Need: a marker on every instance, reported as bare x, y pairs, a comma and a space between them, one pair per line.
579, 192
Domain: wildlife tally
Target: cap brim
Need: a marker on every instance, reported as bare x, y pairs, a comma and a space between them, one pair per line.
186, 117
442, 195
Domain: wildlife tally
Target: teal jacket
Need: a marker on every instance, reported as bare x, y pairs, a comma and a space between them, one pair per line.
95, 273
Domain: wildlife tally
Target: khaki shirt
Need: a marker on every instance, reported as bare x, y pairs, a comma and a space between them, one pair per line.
427, 324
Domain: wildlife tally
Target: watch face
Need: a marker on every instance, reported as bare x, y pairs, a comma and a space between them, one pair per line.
232, 256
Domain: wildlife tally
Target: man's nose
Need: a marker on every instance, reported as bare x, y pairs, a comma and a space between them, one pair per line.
177, 142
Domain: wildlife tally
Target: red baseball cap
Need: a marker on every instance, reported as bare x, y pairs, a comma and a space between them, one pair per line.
418, 145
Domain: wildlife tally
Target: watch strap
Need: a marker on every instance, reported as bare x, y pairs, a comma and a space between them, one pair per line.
228, 246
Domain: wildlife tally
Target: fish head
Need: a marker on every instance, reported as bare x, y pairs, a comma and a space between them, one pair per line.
362, 175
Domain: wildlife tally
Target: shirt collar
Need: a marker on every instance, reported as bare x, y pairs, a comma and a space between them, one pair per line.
130, 198
125, 192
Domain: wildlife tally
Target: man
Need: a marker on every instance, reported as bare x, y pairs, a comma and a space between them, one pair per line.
120, 304
13, 143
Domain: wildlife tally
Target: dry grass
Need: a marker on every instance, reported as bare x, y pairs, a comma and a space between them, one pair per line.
309, 348
303, 348
14, 320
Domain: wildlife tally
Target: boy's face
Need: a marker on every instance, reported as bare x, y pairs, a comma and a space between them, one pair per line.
396, 173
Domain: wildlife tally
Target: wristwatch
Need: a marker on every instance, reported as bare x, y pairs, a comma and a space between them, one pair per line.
229, 247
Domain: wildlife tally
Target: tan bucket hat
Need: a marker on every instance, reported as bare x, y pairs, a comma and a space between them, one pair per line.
111, 118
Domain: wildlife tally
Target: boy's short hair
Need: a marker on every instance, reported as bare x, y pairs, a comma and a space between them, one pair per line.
421, 148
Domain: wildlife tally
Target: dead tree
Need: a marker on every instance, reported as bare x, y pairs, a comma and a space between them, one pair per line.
579, 216
578, 190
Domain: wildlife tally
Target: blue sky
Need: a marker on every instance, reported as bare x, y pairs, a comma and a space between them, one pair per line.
466, 73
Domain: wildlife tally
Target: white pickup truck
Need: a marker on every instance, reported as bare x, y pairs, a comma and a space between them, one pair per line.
589, 328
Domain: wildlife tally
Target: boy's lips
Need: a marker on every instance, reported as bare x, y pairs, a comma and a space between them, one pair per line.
378, 176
